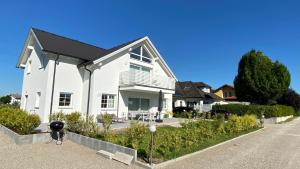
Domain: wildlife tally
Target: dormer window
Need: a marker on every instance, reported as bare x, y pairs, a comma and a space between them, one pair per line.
140, 53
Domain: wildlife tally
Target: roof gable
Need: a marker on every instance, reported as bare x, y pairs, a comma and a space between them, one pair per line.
65, 46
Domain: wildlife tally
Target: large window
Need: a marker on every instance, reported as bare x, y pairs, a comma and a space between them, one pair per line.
141, 54
65, 99
108, 101
138, 104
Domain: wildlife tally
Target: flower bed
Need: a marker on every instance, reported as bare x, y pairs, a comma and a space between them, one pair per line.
18, 120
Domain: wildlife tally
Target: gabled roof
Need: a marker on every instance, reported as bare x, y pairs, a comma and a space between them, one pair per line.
190, 89
65, 46
90, 54
225, 85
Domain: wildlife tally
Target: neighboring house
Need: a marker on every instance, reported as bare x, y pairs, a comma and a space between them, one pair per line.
194, 95
61, 74
226, 92
15, 98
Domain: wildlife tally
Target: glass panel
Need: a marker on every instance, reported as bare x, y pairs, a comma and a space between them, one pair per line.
145, 104
137, 51
133, 104
146, 60
134, 67
146, 54
135, 56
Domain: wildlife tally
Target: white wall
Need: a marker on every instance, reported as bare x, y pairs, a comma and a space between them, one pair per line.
35, 81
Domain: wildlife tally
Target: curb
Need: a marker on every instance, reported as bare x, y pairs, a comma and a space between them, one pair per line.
163, 164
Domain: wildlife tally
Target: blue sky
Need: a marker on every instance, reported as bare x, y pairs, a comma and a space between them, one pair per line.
200, 40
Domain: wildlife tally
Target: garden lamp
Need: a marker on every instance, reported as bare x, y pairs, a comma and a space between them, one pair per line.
152, 129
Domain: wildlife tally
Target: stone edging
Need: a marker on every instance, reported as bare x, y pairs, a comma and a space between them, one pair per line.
25, 139
163, 164
96, 144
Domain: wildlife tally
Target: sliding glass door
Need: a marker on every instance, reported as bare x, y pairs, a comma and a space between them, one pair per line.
138, 104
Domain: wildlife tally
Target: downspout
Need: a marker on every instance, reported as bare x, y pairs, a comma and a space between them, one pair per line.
89, 92
118, 104
53, 83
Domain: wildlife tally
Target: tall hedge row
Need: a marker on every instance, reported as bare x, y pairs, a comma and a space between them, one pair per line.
258, 110
18, 120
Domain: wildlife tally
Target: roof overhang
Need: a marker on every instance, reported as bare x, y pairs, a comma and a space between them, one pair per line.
145, 40
27, 48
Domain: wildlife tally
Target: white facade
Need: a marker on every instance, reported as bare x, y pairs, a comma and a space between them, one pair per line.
115, 88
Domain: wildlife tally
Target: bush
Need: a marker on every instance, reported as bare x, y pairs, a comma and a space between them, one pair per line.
291, 98
258, 110
73, 121
59, 116
187, 115
18, 120
238, 124
106, 121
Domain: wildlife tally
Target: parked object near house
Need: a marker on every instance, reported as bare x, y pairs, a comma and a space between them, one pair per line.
61, 74
196, 95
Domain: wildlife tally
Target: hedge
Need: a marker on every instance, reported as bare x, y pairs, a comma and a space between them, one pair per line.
258, 110
18, 120
171, 142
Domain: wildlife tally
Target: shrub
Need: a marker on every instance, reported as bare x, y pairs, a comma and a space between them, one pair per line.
135, 134
258, 110
238, 124
59, 116
73, 121
18, 120
106, 121
183, 115
88, 127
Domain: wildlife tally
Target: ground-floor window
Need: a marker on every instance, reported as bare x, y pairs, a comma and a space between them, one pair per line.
108, 101
138, 104
65, 99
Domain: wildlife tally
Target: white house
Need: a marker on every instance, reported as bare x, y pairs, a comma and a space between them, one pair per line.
15, 98
61, 74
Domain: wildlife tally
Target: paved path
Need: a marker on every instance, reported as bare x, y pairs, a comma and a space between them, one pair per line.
51, 156
275, 147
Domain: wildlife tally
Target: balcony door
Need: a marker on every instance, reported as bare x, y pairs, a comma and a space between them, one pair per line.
138, 104
139, 75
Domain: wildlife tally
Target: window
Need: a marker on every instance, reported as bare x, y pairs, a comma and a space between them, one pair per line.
108, 101
165, 103
29, 67
141, 54
37, 100
230, 94
65, 99
225, 94
138, 104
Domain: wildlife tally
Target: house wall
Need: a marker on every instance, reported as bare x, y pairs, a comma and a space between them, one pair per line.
36, 81
106, 81
69, 79
219, 93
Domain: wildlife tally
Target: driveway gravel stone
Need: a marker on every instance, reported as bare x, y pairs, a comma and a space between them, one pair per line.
277, 146
51, 156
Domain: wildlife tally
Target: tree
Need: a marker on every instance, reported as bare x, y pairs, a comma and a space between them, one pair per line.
259, 80
5, 99
290, 98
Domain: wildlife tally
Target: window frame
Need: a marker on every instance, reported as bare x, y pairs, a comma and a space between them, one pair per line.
70, 102
37, 100
141, 56
108, 102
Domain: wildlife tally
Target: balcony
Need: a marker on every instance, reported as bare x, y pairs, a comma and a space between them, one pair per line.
144, 79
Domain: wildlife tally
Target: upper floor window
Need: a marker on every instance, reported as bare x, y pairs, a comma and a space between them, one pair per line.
37, 100
108, 101
65, 99
29, 67
141, 54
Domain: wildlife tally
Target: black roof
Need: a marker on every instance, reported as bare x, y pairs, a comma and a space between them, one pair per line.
65, 46
190, 89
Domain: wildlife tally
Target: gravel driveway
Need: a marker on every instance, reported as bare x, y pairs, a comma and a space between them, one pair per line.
51, 156
275, 147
